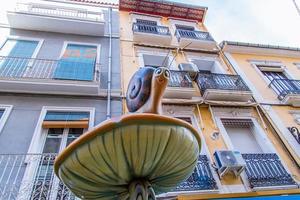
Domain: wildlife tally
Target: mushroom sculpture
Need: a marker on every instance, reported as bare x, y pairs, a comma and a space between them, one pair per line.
136, 155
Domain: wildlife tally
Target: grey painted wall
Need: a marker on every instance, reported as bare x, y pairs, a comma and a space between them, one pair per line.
17, 132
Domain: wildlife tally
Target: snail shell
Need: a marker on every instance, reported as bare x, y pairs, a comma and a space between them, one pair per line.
139, 88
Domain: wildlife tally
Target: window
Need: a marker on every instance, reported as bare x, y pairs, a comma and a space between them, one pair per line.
77, 63
146, 22
279, 81
17, 57
240, 132
4, 113
157, 60
184, 27
58, 128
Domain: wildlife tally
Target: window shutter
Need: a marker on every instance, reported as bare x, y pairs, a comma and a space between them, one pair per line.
146, 22
55, 119
237, 122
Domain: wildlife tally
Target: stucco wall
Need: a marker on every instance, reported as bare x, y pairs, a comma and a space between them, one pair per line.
17, 132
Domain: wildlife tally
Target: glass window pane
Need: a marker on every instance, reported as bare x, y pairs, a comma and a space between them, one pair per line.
74, 133
1, 113
66, 116
53, 140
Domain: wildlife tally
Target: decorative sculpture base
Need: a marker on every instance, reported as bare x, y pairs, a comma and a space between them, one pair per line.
130, 158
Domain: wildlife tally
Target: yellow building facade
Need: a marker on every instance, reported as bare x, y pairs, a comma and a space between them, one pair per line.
208, 91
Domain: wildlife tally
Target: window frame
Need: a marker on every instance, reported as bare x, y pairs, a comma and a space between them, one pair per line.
152, 52
97, 45
37, 49
7, 110
189, 112
39, 135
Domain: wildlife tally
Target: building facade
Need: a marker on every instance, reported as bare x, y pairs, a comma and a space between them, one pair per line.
206, 90
59, 76
66, 65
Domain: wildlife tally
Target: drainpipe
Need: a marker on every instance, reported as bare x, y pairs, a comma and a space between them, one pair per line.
108, 111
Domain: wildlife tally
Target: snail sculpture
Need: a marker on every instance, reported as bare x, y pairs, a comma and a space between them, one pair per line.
146, 88
134, 156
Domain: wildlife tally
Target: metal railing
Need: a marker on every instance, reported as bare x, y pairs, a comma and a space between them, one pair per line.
295, 132
220, 82
29, 68
201, 179
265, 170
59, 11
284, 87
180, 79
30, 176
146, 28
197, 35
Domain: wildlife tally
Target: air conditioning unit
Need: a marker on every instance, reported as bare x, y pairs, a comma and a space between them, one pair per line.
229, 161
191, 68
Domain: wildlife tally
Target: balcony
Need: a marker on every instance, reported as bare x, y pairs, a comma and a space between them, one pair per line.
30, 176
180, 86
145, 33
201, 178
53, 18
288, 90
266, 170
195, 39
48, 76
223, 87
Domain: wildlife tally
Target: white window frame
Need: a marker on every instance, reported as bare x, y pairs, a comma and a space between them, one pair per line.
173, 23
256, 65
7, 110
135, 16
38, 141
265, 144
152, 52
215, 59
39, 135
37, 49
97, 45
188, 112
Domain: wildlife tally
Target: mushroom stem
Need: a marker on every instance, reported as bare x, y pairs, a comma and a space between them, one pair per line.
141, 190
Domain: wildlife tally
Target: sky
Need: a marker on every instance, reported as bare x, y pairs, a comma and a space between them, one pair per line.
274, 22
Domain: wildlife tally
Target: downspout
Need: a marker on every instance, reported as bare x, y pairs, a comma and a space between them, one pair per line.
108, 111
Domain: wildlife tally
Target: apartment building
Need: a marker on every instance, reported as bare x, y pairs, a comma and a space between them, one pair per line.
59, 76
241, 153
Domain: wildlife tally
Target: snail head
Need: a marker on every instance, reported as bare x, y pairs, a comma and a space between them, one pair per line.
161, 75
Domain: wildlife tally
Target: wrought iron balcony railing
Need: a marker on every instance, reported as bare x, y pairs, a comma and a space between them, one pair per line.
59, 11
265, 170
28, 68
180, 79
201, 179
207, 81
295, 132
146, 28
284, 87
197, 35
30, 176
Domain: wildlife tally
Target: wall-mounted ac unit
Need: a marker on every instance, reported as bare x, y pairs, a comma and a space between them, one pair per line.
191, 68
229, 161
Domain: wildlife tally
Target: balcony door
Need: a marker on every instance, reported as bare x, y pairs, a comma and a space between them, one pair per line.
15, 57
77, 63
46, 185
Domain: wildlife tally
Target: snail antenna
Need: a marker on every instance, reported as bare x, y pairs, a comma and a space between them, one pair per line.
165, 59
177, 50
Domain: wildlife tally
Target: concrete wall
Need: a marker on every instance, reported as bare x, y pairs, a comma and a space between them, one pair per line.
17, 132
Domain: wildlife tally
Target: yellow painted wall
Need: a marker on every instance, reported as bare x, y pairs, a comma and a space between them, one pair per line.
252, 74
